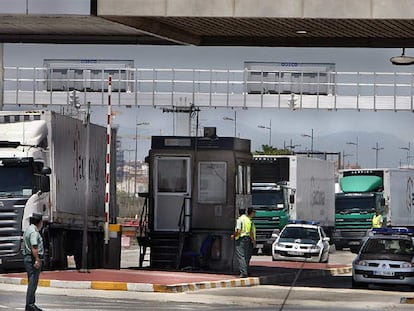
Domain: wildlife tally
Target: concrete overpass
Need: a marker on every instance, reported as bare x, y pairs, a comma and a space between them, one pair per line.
294, 23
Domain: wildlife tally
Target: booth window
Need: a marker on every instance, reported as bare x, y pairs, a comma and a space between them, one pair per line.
172, 175
212, 182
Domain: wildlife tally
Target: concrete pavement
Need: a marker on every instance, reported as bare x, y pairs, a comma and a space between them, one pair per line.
146, 280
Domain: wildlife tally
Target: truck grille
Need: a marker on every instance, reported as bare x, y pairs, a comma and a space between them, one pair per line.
353, 223
11, 215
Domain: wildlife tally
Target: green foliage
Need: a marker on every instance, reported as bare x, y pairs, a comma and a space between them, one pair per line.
129, 206
269, 150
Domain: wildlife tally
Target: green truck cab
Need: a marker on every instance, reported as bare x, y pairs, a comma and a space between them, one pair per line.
361, 195
272, 212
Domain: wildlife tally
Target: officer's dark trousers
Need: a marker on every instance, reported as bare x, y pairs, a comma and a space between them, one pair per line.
243, 254
33, 279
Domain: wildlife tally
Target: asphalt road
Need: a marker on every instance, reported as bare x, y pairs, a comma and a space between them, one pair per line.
307, 294
129, 257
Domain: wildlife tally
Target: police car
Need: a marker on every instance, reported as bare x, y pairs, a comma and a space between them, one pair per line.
301, 241
386, 256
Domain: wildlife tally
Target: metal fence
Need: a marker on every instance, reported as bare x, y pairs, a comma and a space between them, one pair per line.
28, 86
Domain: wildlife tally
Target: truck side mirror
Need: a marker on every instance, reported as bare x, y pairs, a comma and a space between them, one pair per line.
382, 201
46, 170
44, 183
291, 198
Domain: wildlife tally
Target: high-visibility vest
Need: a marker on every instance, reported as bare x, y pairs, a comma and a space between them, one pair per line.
377, 221
244, 224
247, 227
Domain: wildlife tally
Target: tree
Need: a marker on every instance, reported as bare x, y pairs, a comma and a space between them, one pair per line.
269, 150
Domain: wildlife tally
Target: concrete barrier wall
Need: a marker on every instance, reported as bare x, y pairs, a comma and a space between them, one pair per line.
343, 9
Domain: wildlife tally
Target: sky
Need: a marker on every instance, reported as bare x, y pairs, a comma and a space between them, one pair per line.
332, 129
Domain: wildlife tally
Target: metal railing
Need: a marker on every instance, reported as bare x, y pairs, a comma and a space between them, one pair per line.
27, 86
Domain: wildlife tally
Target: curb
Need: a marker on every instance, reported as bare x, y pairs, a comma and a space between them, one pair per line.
136, 287
408, 300
178, 288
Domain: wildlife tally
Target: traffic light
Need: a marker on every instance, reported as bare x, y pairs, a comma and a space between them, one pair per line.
74, 100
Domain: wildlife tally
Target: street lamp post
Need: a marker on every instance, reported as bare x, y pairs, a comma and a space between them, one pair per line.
291, 146
408, 153
344, 155
270, 130
136, 153
234, 120
377, 149
356, 148
311, 137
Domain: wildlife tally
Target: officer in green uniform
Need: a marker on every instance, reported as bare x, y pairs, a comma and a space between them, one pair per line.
245, 237
33, 255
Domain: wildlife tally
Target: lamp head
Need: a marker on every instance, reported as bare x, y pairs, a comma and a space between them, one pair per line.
402, 60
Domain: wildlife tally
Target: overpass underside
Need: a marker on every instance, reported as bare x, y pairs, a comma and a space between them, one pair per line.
300, 23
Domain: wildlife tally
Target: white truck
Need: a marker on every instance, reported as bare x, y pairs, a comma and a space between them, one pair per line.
54, 165
291, 187
363, 191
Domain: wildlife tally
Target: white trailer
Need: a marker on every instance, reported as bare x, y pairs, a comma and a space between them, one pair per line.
308, 195
312, 186
54, 165
399, 196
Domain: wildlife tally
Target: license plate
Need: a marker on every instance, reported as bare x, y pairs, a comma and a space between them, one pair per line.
295, 253
384, 273
354, 243
259, 245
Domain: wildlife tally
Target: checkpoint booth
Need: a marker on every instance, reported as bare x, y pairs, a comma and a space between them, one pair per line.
197, 185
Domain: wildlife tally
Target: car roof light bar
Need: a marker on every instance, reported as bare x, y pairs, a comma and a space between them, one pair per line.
304, 222
393, 230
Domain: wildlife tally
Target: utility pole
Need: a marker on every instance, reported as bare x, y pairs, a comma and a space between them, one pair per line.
377, 149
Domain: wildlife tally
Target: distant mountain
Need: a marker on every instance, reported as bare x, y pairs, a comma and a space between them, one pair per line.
390, 156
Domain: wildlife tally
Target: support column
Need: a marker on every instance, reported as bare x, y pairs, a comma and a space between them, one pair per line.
1, 77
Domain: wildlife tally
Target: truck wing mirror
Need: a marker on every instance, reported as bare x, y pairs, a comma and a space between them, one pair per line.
291, 198
382, 201
44, 183
46, 170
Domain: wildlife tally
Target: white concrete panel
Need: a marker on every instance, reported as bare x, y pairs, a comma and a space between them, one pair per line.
268, 8
13, 7
132, 7
215, 8
75, 7
337, 9
393, 9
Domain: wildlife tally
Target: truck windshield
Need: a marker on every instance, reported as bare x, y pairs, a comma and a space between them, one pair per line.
267, 199
15, 180
348, 205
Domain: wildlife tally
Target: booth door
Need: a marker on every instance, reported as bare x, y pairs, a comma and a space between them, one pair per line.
172, 189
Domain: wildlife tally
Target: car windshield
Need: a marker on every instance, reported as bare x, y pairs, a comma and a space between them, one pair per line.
264, 199
15, 181
388, 248
305, 235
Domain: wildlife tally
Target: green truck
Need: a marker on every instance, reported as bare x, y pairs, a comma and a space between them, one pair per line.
289, 188
361, 193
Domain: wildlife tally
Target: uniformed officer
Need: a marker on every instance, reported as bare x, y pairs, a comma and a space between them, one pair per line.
33, 254
245, 237
377, 220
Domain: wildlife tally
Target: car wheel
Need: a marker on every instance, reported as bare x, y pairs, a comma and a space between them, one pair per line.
358, 284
